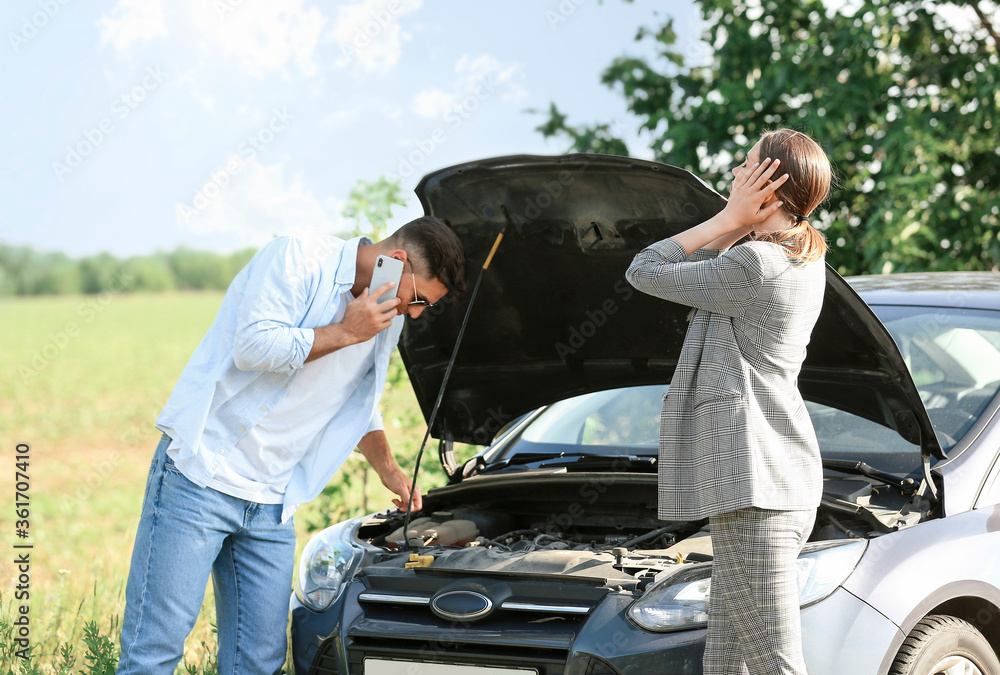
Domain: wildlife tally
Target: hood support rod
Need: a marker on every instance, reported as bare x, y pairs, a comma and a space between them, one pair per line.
444, 382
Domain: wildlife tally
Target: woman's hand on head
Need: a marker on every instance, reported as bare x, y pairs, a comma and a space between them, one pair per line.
751, 197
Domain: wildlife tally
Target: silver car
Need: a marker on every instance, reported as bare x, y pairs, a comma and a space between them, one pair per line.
543, 553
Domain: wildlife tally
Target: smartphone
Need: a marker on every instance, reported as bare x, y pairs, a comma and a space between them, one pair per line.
386, 269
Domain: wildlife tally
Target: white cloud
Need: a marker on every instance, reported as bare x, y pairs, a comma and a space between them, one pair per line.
207, 102
369, 34
264, 36
476, 80
131, 21
486, 69
343, 115
433, 103
255, 203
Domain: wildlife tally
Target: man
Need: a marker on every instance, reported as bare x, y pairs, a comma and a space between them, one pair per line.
279, 392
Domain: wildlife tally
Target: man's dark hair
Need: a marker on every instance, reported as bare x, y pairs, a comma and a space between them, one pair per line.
436, 248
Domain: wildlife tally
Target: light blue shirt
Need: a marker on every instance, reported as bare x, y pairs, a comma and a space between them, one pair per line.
252, 352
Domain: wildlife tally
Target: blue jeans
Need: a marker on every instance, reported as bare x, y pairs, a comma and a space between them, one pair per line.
186, 533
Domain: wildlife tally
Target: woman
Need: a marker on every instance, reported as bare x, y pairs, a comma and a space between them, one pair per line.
736, 443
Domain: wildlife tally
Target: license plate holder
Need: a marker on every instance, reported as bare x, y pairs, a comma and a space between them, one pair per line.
399, 667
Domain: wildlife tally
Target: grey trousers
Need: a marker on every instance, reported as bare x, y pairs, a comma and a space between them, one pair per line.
753, 625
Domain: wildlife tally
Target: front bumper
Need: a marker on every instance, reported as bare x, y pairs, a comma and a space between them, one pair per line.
602, 642
841, 634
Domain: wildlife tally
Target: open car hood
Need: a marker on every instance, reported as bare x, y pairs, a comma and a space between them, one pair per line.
554, 316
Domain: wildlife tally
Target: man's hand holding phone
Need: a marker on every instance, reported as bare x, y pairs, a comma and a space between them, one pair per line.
366, 316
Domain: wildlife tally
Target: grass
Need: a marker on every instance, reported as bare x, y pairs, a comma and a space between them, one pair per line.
85, 378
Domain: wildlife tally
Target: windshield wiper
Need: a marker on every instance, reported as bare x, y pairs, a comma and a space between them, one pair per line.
525, 458
907, 486
548, 459
613, 461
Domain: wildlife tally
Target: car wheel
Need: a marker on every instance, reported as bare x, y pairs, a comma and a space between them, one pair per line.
945, 645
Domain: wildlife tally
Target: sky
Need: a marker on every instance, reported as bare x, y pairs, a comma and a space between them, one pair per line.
131, 126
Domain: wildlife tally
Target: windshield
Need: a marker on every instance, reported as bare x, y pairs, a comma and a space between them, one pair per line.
953, 356
604, 422
627, 422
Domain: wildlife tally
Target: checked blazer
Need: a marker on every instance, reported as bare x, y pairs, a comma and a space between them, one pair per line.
734, 431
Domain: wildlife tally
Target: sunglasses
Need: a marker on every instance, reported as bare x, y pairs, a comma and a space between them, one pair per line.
417, 302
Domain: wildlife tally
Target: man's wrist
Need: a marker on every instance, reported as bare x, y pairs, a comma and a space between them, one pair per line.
327, 339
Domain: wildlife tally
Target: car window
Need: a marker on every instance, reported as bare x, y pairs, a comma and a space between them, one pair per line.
618, 418
627, 421
844, 435
954, 358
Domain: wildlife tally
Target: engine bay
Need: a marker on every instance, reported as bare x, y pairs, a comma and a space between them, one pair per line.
493, 525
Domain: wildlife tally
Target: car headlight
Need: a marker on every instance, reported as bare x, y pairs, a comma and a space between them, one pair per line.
328, 560
680, 601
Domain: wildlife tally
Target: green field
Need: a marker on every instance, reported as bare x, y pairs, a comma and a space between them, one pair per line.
85, 377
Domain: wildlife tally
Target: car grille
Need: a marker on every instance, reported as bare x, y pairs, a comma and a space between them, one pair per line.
398, 620
508, 594
548, 606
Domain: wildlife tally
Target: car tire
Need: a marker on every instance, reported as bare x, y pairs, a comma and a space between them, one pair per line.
941, 645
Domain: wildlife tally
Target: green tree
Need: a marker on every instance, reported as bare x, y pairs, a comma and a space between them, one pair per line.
99, 272
14, 263
902, 95
49, 274
369, 206
199, 270
150, 273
